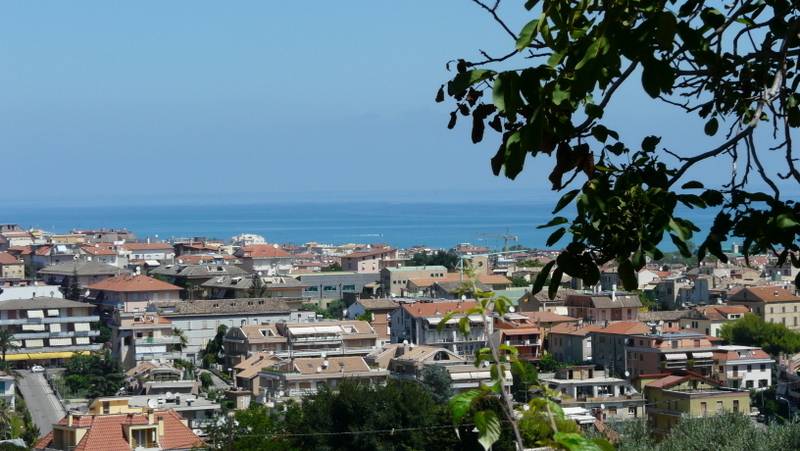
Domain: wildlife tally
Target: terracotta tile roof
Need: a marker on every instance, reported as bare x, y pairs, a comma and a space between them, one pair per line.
423, 309
99, 249
147, 246
21, 250
108, 432
349, 364
549, 317
8, 259
133, 283
574, 329
43, 250
668, 381
624, 328
453, 277
262, 251
720, 312
764, 294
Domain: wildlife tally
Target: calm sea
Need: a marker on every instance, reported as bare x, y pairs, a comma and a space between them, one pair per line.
399, 224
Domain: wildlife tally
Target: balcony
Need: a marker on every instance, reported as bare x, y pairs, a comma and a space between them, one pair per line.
51, 320
71, 348
166, 340
47, 334
169, 355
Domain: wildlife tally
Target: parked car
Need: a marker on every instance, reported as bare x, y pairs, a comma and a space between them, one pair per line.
37, 369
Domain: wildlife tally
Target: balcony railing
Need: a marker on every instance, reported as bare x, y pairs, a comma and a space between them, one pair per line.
158, 340
169, 355
48, 334
50, 320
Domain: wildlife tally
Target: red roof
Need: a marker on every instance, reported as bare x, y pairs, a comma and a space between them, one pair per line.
108, 432
764, 294
549, 317
423, 309
99, 249
574, 329
625, 328
127, 283
8, 259
262, 251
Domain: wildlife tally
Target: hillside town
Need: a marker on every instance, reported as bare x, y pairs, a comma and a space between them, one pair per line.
198, 328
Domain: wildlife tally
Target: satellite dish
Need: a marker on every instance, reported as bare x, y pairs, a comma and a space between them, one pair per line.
152, 403
511, 309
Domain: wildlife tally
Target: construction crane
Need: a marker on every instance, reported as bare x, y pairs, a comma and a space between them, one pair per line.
506, 237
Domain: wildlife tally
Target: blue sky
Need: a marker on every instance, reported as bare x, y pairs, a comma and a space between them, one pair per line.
255, 100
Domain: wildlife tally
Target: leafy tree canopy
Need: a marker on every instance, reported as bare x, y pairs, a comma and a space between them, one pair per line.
751, 330
447, 259
732, 64
98, 374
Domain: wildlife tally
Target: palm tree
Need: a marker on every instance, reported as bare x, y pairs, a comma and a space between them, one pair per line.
181, 337
7, 343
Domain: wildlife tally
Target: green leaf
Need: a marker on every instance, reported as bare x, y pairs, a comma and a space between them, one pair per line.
627, 275
488, 427
657, 77
692, 185
597, 47
527, 34
555, 236
681, 245
649, 143
565, 200
464, 80
784, 221
711, 127
440, 94
574, 441
558, 220
505, 93
461, 403
555, 282
559, 95
541, 278
712, 17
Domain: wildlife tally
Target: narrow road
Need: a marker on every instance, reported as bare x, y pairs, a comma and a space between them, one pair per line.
219, 384
40, 399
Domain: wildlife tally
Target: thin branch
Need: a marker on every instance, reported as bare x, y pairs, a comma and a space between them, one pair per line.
493, 11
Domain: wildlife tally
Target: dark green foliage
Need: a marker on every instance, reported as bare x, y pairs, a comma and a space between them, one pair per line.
519, 281
206, 381
447, 259
548, 363
96, 374
751, 330
333, 267
105, 332
726, 432
257, 288
333, 310
732, 64
524, 375
6, 343
211, 354
436, 379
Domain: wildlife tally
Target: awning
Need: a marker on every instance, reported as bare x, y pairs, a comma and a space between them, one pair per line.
678, 356
55, 355
702, 355
152, 263
22, 356
315, 330
433, 321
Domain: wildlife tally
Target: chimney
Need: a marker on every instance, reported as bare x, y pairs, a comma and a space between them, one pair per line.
151, 417
69, 419
614, 293
160, 426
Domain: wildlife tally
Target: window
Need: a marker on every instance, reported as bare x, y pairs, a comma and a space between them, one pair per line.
748, 384
719, 406
703, 409
763, 367
736, 405
783, 309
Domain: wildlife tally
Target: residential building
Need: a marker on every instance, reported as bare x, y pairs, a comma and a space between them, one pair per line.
665, 319
784, 273
299, 339
653, 353
604, 306
156, 254
452, 285
406, 361
7, 390
11, 267
335, 284
745, 367
106, 235
144, 337
192, 277
609, 344
247, 370
304, 376
369, 260
48, 329
394, 281
196, 412
13, 238
419, 323
200, 319
228, 287
26, 289
101, 253
520, 332
671, 398
710, 318
87, 273
571, 343
153, 430
545, 320
774, 304
267, 258
379, 312
130, 293
590, 387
